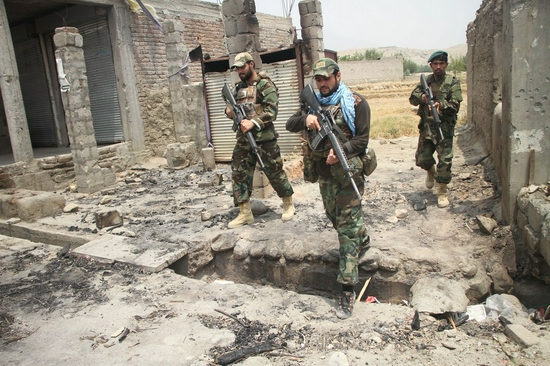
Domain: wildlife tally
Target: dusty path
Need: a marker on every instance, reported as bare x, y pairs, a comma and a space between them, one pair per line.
64, 309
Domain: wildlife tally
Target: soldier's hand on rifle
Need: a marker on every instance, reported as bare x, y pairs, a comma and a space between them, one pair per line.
229, 112
246, 125
436, 105
424, 99
312, 122
332, 158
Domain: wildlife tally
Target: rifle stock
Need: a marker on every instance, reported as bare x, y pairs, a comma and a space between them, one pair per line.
429, 95
238, 115
327, 122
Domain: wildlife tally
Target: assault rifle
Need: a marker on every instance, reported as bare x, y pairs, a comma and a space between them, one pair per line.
429, 95
328, 125
238, 115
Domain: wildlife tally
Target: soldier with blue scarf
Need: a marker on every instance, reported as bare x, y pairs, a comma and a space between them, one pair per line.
352, 116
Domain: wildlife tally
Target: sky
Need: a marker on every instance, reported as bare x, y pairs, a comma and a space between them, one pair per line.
420, 24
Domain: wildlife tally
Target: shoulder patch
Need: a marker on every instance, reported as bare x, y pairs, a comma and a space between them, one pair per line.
357, 98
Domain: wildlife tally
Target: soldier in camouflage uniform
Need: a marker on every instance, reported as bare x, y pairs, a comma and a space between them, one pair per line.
259, 97
448, 95
352, 115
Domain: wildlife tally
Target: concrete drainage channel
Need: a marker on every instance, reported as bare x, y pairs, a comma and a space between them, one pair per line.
304, 277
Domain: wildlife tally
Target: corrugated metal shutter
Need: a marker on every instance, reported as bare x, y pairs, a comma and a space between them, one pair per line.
36, 97
284, 75
100, 70
223, 137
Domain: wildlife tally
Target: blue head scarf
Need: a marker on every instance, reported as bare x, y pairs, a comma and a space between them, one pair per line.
344, 96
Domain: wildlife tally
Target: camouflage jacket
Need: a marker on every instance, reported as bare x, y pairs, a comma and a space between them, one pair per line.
449, 95
260, 100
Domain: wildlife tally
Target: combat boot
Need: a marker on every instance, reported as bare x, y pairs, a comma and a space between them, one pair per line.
442, 200
245, 216
430, 178
288, 208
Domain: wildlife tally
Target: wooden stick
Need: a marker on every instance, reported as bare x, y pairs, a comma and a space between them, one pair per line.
232, 317
363, 289
452, 321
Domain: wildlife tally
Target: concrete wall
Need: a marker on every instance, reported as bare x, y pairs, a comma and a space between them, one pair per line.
508, 91
385, 69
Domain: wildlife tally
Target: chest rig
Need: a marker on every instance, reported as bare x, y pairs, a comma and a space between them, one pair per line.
247, 98
341, 130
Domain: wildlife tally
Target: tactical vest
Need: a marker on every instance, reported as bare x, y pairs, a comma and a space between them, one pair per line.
336, 110
247, 96
440, 92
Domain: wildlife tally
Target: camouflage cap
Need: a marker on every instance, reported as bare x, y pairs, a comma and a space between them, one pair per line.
241, 59
438, 55
325, 67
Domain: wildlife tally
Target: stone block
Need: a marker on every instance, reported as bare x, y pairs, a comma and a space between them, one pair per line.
521, 220
248, 24
180, 155
232, 7
208, 161
310, 20
523, 199
545, 240
532, 240
314, 32
107, 218
32, 205
306, 7
537, 209
230, 26
521, 335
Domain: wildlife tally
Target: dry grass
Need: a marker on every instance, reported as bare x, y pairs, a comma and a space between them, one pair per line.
391, 114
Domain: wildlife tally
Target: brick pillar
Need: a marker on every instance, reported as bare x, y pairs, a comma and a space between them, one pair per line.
311, 21
176, 57
71, 71
242, 29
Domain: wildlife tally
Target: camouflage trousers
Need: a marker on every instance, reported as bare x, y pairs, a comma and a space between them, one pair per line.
344, 210
244, 162
426, 149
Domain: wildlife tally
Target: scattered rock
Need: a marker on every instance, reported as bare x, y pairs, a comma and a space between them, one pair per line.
438, 295
486, 224
70, 207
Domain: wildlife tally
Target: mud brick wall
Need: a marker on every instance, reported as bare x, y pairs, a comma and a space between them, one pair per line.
151, 70
210, 35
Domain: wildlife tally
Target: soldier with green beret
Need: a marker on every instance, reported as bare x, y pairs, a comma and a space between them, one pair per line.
343, 208
448, 96
260, 98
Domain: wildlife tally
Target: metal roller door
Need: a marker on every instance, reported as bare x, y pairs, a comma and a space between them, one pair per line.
284, 75
35, 92
100, 70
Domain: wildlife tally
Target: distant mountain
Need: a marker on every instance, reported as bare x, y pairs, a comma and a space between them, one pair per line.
418, 56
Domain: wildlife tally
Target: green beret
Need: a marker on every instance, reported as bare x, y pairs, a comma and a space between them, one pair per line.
438, 55
325, 67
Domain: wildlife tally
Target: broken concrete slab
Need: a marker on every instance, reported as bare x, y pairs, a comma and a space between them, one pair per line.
438, 295
30, 205
521, 335
148, 255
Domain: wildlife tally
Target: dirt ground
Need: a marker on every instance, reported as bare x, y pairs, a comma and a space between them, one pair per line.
59, 308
